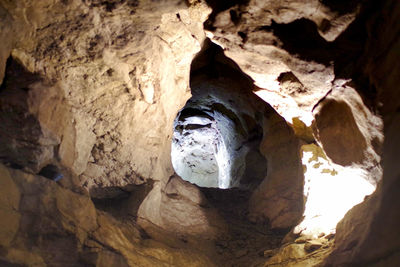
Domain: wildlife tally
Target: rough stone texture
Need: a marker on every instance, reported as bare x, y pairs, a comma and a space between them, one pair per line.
208, 152
168, 207
375, 241
51, 225
9, 203
300, 255
280, 196
108, 78
195, 146
349, 132
181, 209
288, 47
111, 66
23, 140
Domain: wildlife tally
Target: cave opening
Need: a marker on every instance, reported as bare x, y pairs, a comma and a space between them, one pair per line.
295, 164
216, 146
218, 132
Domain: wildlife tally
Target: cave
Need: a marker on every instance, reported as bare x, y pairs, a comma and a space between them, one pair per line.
217, 134
199, 133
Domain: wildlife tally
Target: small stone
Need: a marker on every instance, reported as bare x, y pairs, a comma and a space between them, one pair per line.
269, 253
301, 240
312, 245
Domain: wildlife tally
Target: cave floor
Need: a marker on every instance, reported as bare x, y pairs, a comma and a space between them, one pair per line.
246, 242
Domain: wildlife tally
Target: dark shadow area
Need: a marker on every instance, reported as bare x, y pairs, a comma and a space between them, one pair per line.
351, 47
22, 142
301, 38
247, 241
212, 62
122, 202
9, 264
222, 5
51, 172
17, 77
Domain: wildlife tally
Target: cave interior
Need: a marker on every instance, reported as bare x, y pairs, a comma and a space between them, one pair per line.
199, 133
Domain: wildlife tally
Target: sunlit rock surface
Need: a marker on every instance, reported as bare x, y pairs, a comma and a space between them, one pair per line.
204, 150
324, 182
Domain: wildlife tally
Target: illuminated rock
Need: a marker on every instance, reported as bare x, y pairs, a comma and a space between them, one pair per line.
93, 88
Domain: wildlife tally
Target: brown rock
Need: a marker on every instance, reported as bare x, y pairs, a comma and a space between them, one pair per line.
98, 88
269, 253
312, 245
10, 196
287, 253
99, 83
280, 196
348, 132
339, 134
263, 45
302, 240
181, 209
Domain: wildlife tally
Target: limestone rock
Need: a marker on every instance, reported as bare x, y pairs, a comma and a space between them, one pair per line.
262, 37
269, 253
10, 196
103, 65
287, 253
324, 181
23, 142
349, 133
377, 233
217, 133
180, 209
93, 87
46, 224
312, 245
280, 196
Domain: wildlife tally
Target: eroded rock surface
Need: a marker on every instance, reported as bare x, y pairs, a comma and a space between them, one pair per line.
110, 66
51, 225
292, 43
92, 88
349, 132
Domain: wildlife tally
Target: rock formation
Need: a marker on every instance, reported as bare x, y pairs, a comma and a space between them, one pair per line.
180, 133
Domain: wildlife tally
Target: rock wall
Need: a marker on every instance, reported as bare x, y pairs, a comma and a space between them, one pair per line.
93, 87
48, 225
279, 198
108, 67
368, 235
296, 42
337, 61
349, 133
